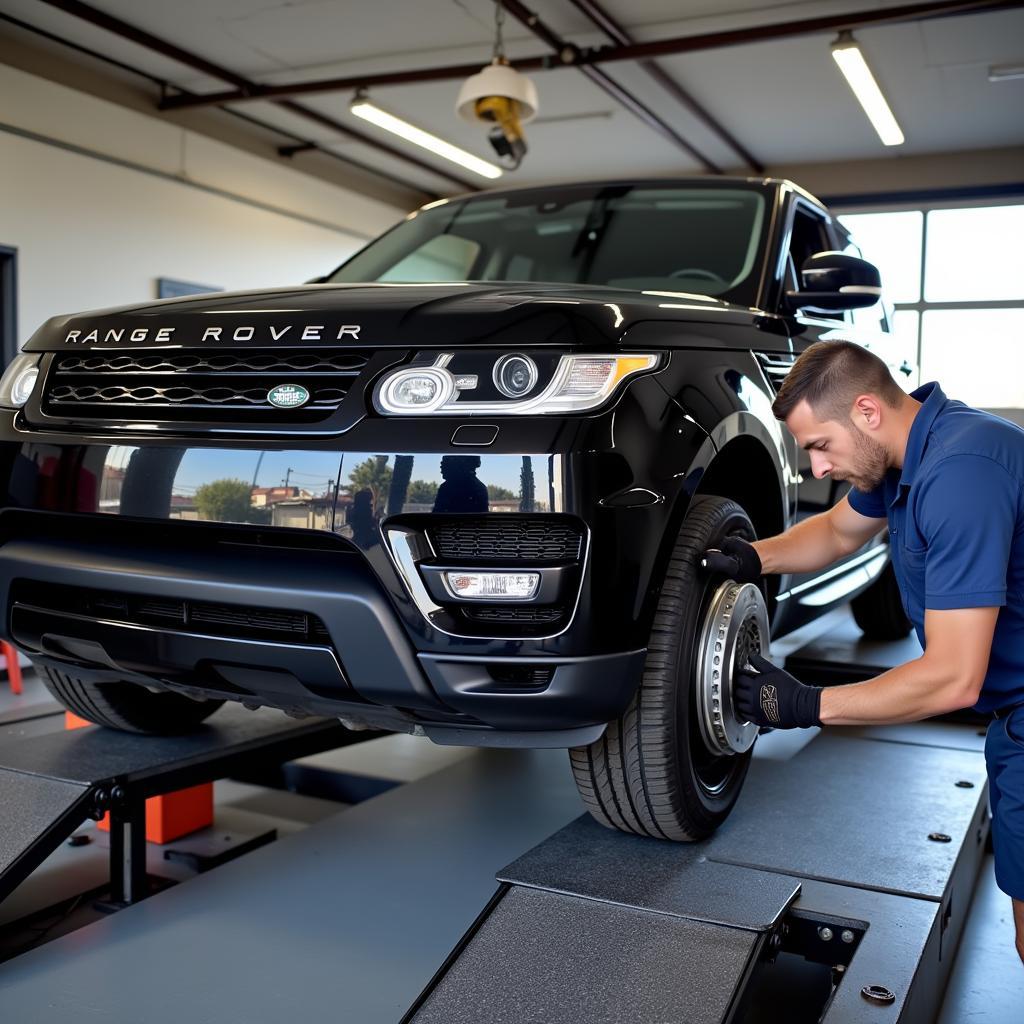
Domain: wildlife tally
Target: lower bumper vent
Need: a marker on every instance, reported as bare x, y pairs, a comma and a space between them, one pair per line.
226, 620
521, 614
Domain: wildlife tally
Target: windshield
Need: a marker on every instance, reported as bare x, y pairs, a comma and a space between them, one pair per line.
692, 239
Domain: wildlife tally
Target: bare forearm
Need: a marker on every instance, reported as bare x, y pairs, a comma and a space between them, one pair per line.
806, 547
919, 689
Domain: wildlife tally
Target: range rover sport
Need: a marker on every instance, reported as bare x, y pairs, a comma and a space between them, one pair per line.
458, 488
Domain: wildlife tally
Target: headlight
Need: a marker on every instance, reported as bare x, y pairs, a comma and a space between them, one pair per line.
579, 383
515, 376
19, 380
419, 389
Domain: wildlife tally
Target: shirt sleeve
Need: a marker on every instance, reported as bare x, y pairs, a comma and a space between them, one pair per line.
868, 503
967, 512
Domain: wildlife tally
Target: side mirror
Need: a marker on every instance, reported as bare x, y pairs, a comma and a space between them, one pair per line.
832, 281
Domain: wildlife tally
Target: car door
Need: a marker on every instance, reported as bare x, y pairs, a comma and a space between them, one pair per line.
811, 230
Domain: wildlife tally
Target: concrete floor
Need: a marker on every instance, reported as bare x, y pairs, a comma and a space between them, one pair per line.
987, 982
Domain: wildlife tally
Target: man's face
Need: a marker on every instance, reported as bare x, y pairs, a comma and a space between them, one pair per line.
837, 450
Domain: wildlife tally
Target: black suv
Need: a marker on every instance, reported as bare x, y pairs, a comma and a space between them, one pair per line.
458, 488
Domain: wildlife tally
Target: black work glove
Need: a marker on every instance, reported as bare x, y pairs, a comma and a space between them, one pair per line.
772, 697
737, 559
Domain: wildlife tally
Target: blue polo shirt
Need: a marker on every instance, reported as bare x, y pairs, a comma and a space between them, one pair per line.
956, 527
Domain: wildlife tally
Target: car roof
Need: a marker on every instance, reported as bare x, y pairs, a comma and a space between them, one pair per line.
705, 181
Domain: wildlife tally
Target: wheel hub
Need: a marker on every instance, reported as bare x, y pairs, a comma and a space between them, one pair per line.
735, 627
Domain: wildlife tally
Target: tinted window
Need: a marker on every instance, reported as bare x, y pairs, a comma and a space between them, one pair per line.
702, 240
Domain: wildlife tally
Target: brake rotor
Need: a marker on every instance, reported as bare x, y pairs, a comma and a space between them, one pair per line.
735, 627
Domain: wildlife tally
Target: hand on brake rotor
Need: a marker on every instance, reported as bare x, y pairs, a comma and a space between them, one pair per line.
770, 696
736, 559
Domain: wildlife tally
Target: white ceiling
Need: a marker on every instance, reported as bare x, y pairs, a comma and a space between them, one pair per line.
784, 100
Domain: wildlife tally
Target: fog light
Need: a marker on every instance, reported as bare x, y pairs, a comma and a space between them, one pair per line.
493, 586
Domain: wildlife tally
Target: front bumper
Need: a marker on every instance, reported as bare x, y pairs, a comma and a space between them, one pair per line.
151, 517
364, 669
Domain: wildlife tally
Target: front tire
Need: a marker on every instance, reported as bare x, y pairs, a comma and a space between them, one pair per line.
126, 706
652, 773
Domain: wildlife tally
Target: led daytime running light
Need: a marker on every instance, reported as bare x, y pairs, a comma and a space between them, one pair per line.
579, 383
19, 381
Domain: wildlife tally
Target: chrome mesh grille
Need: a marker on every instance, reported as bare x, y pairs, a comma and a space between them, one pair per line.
213, 386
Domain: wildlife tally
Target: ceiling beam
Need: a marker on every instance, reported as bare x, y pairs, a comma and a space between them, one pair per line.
605, 82
142, 38
592, 10
296, 143
572, 56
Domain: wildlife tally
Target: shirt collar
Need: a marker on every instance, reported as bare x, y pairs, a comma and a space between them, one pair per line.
932, 401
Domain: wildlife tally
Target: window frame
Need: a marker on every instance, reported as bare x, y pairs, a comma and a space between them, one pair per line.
921, 306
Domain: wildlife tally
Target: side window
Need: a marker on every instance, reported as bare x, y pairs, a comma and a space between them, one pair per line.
808, 237
442, 258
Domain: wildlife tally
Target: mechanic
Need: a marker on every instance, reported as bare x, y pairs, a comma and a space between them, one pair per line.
949, 480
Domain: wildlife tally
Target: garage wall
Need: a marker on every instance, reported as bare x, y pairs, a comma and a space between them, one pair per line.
100, 201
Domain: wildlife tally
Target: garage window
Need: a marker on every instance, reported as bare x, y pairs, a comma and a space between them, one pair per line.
956, 279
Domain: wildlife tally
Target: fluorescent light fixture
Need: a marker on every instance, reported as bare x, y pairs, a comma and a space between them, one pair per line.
382, 119
1005, 72
848, 56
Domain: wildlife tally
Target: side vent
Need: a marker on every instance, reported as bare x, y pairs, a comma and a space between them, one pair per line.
776, 367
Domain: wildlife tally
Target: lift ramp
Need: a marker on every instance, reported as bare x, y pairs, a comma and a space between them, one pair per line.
51, 782
481, 893
844, 872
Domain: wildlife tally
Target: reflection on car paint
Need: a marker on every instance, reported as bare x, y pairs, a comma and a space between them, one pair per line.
374, 486
348, 493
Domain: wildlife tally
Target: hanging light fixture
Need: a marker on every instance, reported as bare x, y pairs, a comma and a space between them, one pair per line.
847, 54
500, 98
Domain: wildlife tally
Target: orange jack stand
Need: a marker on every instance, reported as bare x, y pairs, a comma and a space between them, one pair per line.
13, 668
171, 816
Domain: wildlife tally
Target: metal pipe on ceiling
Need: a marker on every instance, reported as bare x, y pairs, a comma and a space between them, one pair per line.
572, 57
604, 81
142, 38
297, 143
592, 10
808, 26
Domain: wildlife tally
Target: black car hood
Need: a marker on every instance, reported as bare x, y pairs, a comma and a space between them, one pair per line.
385, 315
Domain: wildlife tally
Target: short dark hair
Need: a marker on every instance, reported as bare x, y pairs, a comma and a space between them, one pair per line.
830, 375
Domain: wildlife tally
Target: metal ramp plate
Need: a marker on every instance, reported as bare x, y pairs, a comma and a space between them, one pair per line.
546, 958
604, 927
93, 756
35, 810
585, 859
858, 812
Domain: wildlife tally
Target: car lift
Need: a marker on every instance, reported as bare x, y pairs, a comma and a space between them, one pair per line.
836, 891
51, 783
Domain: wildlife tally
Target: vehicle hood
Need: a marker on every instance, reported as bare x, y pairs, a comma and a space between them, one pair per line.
385, 315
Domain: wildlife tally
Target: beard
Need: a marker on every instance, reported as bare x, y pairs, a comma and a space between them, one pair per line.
870, 462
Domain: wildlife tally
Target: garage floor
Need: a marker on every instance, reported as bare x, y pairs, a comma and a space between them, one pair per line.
986, 985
